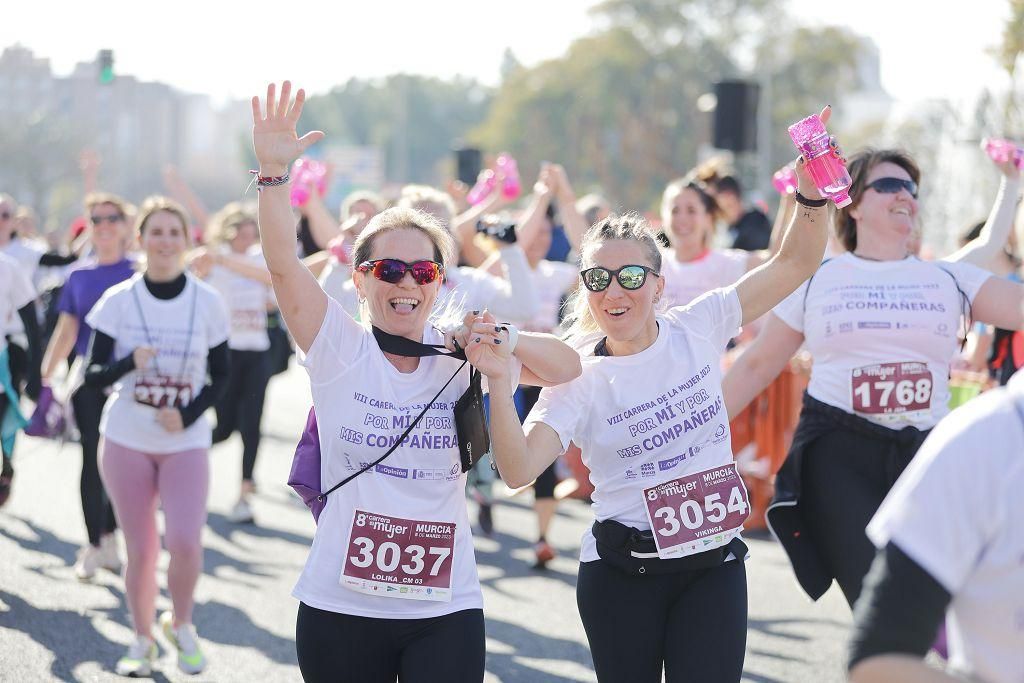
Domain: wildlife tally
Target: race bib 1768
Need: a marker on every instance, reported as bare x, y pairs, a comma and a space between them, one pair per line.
891, 388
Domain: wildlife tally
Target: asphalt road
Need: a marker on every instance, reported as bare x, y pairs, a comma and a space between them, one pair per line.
53, 627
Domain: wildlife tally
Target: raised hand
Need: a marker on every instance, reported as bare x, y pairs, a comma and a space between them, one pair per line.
488, 349
274, 136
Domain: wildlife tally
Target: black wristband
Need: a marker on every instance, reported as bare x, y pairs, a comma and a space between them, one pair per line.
811, 203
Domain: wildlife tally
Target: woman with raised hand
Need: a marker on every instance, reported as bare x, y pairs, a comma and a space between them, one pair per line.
160, 338
109, 236
390, 583
661, 574
882, 327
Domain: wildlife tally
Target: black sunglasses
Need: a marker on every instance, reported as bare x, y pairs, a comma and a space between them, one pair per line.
5, 215
893, 185
597, 279
97, 220
392, 270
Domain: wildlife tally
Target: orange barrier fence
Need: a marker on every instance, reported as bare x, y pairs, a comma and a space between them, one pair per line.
762, 433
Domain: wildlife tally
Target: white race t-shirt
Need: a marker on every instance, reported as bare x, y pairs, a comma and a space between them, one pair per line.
363, 403
180, 366
882, 334
649, 417
17, 292
551, 280
247, 304
958, 512
684, 282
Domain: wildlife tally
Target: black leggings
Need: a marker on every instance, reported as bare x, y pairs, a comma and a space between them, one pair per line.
845, 478
544, 487
341, 648
241, 407
99, 514
692, 622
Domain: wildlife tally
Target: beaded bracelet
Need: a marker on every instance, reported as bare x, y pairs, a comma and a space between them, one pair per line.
270, 181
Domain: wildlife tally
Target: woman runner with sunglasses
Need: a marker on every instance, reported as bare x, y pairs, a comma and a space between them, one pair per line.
661, 580
157, 338
390, 587
110, 235
882, 327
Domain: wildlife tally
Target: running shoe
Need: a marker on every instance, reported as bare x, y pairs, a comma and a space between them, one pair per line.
138, 661
110, 557
241, 513
190, 658
545, 553
90, 558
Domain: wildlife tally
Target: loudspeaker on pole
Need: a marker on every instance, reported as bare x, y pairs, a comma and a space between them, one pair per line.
735, 121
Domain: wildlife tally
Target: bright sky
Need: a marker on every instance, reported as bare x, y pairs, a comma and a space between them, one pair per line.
232, 49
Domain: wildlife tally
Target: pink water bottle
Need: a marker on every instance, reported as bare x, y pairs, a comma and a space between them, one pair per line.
823, 163
308, 176
485, 185
784, 180
508, 167
1002, 151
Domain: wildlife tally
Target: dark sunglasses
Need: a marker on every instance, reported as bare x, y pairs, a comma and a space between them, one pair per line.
597, 279
392, 270
4, 215
97, 220
893, 185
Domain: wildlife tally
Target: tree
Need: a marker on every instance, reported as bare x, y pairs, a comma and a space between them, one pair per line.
413, 119
1009, 56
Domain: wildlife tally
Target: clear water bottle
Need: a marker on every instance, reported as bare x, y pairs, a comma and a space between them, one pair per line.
824, 165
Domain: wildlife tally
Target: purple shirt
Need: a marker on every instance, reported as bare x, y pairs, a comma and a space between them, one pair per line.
84, 288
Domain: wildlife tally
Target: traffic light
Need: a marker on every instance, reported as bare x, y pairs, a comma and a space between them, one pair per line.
106, 60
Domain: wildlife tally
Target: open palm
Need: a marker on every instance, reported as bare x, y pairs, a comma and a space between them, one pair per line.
274, 138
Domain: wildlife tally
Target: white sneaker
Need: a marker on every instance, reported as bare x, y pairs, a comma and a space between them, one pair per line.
110, 557
241, 513
90, 558
138, 661
190, 658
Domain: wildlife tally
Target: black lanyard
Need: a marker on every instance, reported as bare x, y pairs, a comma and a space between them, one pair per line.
149, 339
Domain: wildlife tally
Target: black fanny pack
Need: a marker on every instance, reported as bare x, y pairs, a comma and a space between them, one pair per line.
634, 552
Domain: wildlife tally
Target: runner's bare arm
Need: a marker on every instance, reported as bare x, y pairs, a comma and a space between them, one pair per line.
996, 231
520, 457
546, 360
301, 300
1000, 302
761, 363
799, 255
